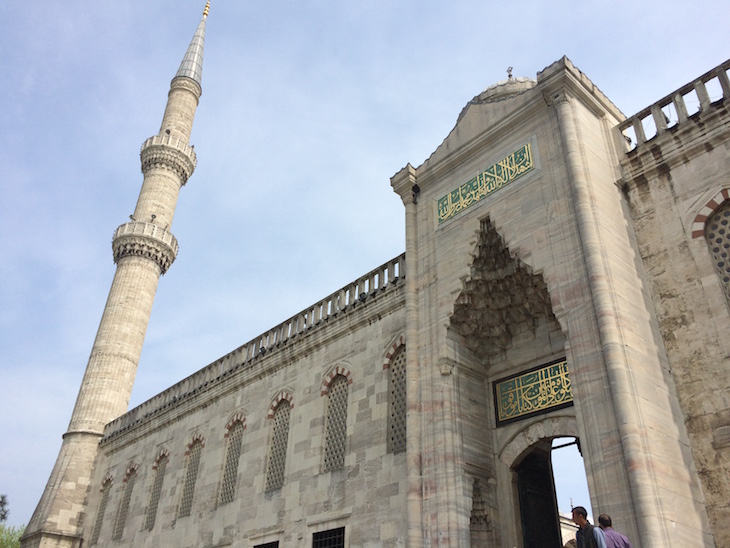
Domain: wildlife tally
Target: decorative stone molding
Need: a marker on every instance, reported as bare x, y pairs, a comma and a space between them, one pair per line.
238, 417
500, 299
188, 84
197, 437
554, 427
107, 481
145, 240
392, 349
163, 453
446, 366
169, 153
698, 226
131, 469
338, 370
283, 395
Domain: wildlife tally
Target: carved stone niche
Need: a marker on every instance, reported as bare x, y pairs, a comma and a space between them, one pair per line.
501, 298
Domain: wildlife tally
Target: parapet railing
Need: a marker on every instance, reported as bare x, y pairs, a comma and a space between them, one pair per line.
337, 304
676, 108
140, 228
168, 140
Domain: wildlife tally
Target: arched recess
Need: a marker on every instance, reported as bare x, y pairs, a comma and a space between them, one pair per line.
545, 429
503, 330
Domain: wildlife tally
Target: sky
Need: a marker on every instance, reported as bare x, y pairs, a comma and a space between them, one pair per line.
308, 109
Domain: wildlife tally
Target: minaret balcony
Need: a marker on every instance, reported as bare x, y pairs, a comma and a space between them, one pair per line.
169, 153
145, 240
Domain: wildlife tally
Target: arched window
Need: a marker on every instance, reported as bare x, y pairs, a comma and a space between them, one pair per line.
397, 402
336, 430
277, 452
105, 489
717, 234
233, 455
191, 476
159, 469
129, 480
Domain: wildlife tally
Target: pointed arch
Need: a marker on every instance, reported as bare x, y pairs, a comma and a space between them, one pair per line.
391, 350
159, 466
335, 388
283, 395
554, 427
193, 452
394, 361
330, 376
106, 486
130, 477
279, 412
234, 435
698, 225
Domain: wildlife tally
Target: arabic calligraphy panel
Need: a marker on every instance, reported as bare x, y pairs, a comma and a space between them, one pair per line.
485, 183
537, 391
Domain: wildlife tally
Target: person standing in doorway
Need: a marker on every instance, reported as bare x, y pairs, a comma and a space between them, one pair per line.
614, 539
587, 535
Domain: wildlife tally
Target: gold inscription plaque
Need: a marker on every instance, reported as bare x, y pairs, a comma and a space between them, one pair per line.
488, 181
537, 391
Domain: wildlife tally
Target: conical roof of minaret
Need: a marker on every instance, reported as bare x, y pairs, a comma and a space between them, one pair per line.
192, 63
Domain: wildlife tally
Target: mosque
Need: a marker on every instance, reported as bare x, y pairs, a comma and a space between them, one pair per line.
566, 275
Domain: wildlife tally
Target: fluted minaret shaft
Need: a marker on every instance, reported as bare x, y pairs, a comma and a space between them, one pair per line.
143, 249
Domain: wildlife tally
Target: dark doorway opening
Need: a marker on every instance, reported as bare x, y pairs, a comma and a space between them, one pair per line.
538, 504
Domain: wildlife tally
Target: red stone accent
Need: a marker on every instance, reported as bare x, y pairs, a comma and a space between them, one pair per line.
698, 226
339, 370
163, 453
281, 396
196, 437
238, 417
391, 351
108, 480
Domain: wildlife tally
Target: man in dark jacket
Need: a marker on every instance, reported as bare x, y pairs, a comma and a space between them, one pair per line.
587, 536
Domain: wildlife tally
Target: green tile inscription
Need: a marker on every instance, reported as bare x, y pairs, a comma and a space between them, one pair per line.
488, 181
536, 391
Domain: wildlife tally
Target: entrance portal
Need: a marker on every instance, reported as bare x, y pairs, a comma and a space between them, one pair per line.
538, 505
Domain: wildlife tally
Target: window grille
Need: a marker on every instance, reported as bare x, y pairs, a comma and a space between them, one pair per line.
279, 439
274, 544
336, 432
100, 514
155, 495
717, 233
397, 402
191, 476
124, 505
230, 470
334, 538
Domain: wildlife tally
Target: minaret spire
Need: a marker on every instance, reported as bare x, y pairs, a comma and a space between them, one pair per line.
143, 250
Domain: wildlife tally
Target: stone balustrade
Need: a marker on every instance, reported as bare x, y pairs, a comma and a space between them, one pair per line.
338, 304
676, 108
147, 240
169, 141
171, 153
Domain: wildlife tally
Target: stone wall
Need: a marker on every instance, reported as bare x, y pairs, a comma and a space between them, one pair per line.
366, 495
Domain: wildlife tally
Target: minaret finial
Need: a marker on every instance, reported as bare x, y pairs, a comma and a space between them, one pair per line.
207, 9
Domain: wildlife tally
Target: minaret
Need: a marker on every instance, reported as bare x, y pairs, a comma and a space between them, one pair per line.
144, 249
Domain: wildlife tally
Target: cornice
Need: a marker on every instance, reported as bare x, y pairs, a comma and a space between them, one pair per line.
230, 372
677, 145
145, 240
163, 151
